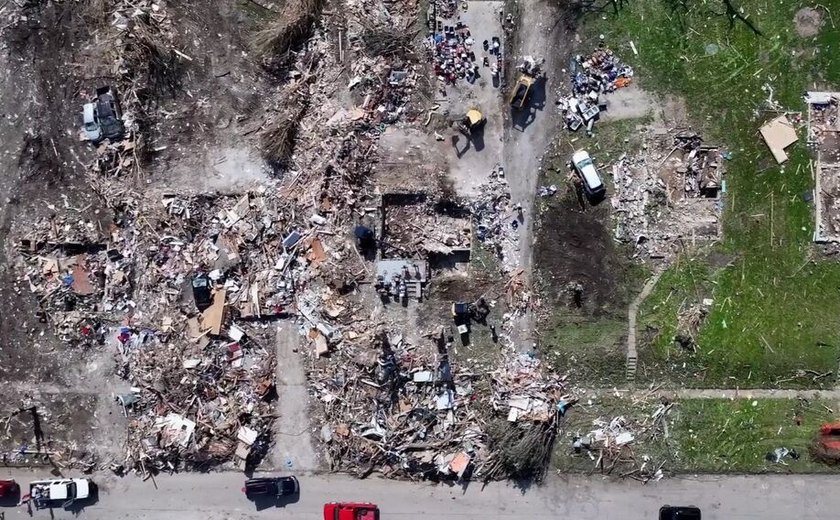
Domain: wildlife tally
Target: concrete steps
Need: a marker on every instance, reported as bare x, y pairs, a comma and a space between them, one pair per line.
630, 369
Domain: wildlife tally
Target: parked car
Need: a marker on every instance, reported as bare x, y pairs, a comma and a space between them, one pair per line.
102, 117
110, 113
59, 492
9, 489
351, 511
90, 123
585, 168
271, 487
679, 513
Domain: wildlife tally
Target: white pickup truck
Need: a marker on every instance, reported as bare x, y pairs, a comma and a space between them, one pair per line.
64, 491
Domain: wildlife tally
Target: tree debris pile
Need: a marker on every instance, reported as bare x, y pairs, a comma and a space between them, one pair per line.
663, 197
592, 76
410, 411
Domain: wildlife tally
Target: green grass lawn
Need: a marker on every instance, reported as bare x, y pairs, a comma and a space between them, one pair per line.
588, 343
773, 322
702, 435
719, 435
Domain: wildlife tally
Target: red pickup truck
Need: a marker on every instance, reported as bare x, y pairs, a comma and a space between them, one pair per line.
350, 511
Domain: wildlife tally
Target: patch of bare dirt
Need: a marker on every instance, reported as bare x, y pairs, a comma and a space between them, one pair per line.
206, 125
575, 247
808, 22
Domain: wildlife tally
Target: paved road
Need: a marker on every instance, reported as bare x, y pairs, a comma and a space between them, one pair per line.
218, 496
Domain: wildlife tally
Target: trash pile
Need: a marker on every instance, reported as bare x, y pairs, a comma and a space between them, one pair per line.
496, 220
779, 455
411, 411
413, 230
385, 90
610, 444
197, 403
823, 116
598, 73
454, 55
661, 197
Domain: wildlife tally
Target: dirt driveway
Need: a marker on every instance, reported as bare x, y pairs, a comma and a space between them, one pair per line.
529, 132
472, 160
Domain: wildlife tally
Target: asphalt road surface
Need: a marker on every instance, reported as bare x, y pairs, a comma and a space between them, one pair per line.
218, 496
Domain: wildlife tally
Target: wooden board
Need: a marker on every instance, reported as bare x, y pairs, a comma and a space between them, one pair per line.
211, 318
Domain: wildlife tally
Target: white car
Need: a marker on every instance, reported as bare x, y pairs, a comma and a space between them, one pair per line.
90, 121
65, 491
592, 184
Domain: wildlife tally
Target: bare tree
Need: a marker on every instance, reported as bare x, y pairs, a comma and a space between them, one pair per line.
731, 12
734, 13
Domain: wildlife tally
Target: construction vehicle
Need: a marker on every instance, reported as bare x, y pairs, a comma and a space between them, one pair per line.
529, 72
472, 121
521, 91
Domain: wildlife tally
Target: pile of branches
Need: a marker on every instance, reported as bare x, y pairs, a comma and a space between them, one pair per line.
288, 31
280, 132
388, 40
521, 450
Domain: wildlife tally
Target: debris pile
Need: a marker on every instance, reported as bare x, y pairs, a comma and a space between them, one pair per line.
824, 135
662, 197
523, 390
610, 445
700, 167
183, 288
214, 268
413, 230
598, 73
496, 221
385, 89
411, 411
453, 54
197, 403
823, 115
